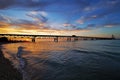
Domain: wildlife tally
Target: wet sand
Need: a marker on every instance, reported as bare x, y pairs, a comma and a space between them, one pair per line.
7, 71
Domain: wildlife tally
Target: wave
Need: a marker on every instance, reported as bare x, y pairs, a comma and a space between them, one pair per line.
107, 54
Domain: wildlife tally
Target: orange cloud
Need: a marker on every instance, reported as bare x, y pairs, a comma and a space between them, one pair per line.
25, 29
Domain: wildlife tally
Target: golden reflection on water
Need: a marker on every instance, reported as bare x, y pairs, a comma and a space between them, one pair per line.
37, 49
33, 47
37, 54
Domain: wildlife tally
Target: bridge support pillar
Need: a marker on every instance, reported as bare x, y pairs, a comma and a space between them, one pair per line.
56, 39
75, 38
68, 38
93, 38
33, 39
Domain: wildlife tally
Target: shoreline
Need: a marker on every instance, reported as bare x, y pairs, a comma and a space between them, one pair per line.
7, 71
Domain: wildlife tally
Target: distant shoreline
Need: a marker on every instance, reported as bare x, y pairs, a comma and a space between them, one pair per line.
7, 71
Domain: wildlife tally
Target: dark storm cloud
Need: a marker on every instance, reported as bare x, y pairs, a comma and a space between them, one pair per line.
79, 5
101, 10
4, 4
40, 4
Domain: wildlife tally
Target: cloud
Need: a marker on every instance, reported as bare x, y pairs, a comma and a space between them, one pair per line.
80, 21
6, 21
100, 10
4, 25
39, 16
91, 25
45, 5
38, 23
107, 25
4, 4
24, 29
111, 24
5, 18
22, 24
13, 20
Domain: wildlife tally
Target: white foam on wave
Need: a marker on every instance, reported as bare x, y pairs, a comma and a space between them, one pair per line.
22, 64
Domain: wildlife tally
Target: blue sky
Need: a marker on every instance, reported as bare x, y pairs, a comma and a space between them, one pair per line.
62, 17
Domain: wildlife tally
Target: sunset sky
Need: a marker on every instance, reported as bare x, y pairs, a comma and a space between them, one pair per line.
61, 17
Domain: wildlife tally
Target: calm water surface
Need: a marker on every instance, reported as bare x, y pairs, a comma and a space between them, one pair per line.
82, 60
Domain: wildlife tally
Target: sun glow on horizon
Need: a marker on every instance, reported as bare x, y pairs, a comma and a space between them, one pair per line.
74, 17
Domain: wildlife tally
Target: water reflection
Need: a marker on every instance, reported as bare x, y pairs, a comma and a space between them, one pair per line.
84, 60
20, 50
22, 63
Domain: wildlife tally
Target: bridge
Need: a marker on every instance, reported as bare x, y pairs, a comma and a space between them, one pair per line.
57, 37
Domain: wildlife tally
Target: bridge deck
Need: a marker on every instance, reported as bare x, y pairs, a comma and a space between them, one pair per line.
53, 36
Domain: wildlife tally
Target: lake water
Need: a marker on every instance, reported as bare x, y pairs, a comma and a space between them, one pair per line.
80, 60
